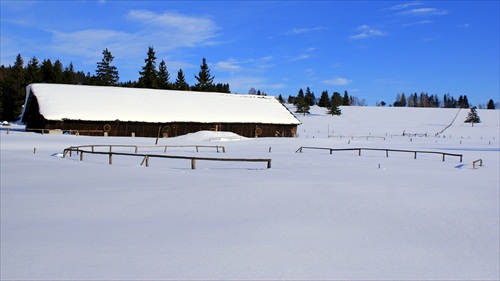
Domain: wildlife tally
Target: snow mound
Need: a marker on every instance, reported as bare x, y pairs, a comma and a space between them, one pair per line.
210, 136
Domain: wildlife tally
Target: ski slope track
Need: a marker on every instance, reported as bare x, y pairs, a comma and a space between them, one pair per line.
312, 215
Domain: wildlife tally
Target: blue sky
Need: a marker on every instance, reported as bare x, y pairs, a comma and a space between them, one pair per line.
371, 49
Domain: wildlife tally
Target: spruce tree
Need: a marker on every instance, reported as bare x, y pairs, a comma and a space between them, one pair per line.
345, 100
12, 90
324, 100
33, 74
148, 76
309, 97
106, 74
205, 80
163, 76
180, 82
301, 105
490, 105
47, 71
335, 102
472, 117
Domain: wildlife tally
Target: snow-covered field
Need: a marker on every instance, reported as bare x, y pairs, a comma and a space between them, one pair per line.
313, 215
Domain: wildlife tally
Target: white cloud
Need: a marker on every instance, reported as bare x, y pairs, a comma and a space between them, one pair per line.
404, 6
338, 81
229, 65
296, 31
424, 12
366, 31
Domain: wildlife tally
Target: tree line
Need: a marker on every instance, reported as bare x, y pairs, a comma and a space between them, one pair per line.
304, 101
15, 78
426, 100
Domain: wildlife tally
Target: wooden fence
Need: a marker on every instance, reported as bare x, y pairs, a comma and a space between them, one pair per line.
382, 149
480, 161
136, 147
146, 157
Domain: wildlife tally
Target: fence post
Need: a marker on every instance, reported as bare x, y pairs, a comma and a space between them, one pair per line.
331, 151
359, 152
415, 155
81, 155
269, 164
443, 156
387, 153
110, 155
193, 163
136, 149
147, 161
196, 148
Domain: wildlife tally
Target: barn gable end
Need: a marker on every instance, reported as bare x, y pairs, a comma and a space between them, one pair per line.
94, 110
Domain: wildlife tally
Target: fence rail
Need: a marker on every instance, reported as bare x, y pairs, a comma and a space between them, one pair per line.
359, 149
136, 147
480, 161
146, 157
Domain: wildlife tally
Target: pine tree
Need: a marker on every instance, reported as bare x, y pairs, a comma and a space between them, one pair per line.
472, 117
335, 102
163, 76
148, 76
205, 80
33, 74
106, 74
180, 82
280, 98
300, 96
12, 90
490, 105
309, 97
48, 72
345, 100
324, 99
301, 105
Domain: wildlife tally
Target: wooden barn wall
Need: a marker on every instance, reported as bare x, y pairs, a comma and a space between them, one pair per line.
143, 129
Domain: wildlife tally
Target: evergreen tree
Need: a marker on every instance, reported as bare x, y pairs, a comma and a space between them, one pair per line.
106, 74
33, 74
324, 100
280, 98
58, 70
472, 117
148, 76
309, 97
335, 102
163, 76
345, 100
301, 105
205, 80
48, 72
12, 90
180, 82
300, 96
490, 105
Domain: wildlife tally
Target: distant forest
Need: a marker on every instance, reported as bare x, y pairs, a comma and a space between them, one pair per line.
15, 78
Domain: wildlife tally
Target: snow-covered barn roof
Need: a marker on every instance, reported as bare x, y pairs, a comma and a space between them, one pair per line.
96, 103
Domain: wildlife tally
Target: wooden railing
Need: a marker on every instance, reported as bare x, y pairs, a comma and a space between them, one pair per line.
146, 157
382, 149
136, 147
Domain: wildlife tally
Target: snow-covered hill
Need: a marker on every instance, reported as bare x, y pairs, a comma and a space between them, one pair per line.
313, 215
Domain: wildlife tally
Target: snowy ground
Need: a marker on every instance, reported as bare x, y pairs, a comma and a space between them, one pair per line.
311, 216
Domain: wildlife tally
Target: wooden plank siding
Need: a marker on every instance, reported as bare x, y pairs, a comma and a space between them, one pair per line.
163, 130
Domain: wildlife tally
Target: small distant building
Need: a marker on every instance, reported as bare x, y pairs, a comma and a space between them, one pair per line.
117, 111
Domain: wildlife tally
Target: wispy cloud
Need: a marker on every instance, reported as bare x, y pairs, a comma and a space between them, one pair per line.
418, 23
337, 81
404, 6
164, 31
296, 31
366, 31
424, 12
228, 65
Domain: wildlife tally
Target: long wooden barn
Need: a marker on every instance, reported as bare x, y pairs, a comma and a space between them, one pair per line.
116, 111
